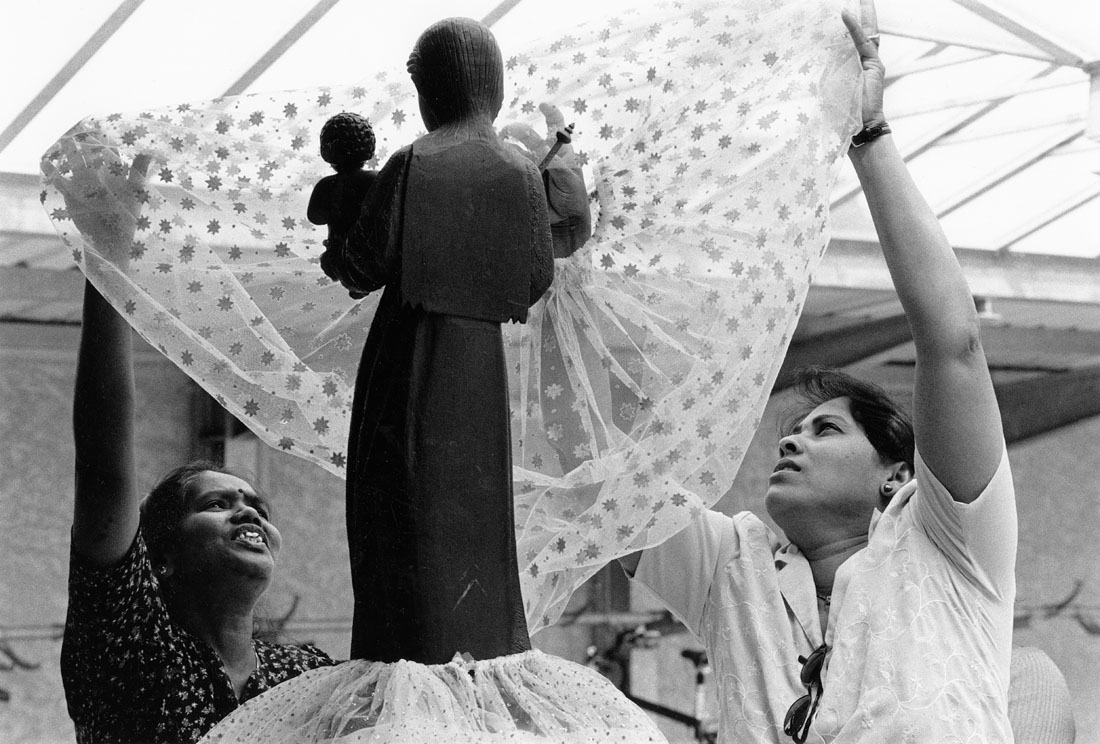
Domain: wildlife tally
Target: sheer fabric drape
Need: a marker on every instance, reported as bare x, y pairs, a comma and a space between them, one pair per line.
711, 135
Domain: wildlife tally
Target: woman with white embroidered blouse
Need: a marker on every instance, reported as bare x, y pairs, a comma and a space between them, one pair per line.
888, 615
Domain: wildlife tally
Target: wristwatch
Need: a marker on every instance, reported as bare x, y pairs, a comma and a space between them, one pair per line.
869, 133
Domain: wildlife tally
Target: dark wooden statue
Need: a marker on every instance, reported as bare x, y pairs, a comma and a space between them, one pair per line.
457, 230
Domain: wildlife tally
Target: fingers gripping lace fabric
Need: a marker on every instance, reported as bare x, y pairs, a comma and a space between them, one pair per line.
710, 134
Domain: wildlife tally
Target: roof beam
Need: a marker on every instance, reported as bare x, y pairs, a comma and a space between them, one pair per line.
65, 74
925, 64
307, 22
858, 264
1040, 404
279, 48
1093, 127
964, 43
921, 144
990, 95
1008, 169
1055, 120
1022, 31
499, 11
1072, 203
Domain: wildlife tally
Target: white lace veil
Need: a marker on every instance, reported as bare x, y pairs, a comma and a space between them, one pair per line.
711, 135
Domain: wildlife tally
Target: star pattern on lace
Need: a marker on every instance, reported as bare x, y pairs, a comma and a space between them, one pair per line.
710, 139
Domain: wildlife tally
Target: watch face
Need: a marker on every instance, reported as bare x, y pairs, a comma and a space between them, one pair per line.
870, 133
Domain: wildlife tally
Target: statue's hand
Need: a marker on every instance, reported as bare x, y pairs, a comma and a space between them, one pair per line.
566, 192
332, 263
103, 196
555, 123
535, 145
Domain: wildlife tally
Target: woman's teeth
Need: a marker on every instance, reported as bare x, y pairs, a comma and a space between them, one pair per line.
252, 538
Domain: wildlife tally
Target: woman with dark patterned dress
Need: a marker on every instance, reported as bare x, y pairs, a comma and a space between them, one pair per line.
158, 642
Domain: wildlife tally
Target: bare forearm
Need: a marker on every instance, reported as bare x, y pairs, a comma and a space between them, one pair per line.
926, 274
955, 411
106, 510
956, 422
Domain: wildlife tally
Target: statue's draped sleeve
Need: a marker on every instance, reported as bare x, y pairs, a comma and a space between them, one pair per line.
410, 221
570, 216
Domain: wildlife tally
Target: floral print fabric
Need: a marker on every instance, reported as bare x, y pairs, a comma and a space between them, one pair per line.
132, 675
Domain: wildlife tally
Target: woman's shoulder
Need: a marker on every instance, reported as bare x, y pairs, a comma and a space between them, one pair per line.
104, 587
291, 657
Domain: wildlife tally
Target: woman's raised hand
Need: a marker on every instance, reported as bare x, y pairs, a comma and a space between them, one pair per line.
864, 33
103, 196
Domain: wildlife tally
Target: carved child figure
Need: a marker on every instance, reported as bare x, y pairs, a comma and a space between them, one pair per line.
347, 143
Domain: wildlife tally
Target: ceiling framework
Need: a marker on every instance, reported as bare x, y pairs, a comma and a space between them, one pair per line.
309, 20
1084, 196
929, 139
1039, 281
1007, 169
66, 73
1011, 23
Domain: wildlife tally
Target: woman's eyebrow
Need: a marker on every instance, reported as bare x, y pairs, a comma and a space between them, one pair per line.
256, 500
249, 498
815, 422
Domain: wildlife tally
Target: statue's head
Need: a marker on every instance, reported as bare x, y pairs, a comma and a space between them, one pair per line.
458, 71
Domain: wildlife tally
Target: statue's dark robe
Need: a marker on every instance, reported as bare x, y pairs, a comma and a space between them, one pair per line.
460, 238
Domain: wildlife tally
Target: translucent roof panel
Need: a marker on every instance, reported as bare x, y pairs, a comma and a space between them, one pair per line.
991, 114
348, 46
56, 44
989, 98
948, 22
164, 53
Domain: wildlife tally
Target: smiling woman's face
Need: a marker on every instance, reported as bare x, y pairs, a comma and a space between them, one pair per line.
225, 528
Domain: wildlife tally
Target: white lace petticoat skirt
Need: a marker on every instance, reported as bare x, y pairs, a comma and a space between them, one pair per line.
528, 697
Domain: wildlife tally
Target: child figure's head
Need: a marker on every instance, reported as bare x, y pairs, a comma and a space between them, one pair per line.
347, 142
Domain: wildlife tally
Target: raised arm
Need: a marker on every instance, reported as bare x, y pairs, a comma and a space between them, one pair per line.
103, 200
956, 419
105, 516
